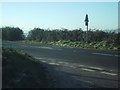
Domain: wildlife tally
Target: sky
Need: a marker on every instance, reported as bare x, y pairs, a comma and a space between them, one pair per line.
57, 15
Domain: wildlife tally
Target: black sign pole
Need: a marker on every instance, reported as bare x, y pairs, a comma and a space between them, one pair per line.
86, 24
87, 35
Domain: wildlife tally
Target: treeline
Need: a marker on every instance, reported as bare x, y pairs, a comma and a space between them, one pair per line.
38, 34
12, 33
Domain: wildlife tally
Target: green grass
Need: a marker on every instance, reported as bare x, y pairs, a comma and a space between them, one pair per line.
103, 45
22, 71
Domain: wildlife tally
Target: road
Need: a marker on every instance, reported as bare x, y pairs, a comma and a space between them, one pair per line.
94, 68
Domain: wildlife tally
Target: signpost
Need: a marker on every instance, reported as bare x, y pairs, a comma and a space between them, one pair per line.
86, 24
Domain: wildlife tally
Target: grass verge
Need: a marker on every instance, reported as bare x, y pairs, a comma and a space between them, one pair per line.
103, 45
19, 70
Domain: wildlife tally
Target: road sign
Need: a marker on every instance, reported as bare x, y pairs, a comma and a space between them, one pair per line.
86, 20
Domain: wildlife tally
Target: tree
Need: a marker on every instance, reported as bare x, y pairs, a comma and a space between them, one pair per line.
12, 33
36, 34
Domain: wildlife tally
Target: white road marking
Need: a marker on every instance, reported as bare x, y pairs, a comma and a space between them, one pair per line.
87, 69
96, 68
54, 63
72, 66
82, 67
42, 47
66, 63
38, 58
116, 55
43, 61
113, 74
60, 62
105, 54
